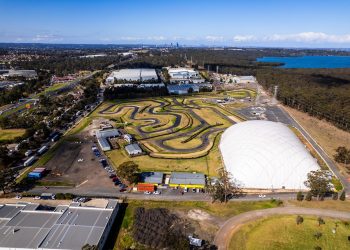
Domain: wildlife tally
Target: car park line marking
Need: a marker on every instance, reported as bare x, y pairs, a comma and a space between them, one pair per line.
82, 183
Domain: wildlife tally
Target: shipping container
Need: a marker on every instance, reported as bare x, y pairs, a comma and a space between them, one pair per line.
142, 187
34, 175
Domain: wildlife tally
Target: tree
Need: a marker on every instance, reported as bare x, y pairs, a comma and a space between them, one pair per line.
319, 183
224, 188
342, 155
300, 196
335, 196
342, 196
128, 170
7, 178
308, 196
299, 220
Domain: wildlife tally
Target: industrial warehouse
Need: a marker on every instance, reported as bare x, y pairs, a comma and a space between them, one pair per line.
30, 226
132, 75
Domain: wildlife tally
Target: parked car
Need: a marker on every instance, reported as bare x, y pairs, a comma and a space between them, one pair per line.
112, 176
18, 197
122, 190
147, 192
37, 198
157, 192
262, 196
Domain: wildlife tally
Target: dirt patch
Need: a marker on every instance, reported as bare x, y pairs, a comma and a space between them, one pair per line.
199, 215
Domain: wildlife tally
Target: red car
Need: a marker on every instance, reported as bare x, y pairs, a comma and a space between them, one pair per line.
122, 190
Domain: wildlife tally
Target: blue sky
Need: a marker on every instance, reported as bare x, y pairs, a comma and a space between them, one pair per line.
297, 23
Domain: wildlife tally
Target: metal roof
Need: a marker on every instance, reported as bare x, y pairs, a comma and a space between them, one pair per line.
133, 148
187, 178
152, 177
67, 227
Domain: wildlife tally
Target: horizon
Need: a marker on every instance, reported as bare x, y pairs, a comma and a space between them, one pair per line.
271, 24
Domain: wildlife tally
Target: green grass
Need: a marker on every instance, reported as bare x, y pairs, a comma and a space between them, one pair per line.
54, 87
282, 233
10, 134
227, 210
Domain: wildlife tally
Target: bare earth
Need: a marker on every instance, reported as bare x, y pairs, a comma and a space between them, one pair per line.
324, 133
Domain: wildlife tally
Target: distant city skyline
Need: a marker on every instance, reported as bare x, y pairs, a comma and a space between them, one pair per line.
238, 23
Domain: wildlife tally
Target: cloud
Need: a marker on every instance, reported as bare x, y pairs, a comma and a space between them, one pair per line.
309, 37
47, 38
244, 38
214, 38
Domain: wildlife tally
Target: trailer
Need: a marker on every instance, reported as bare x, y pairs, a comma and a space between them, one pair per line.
29, 161
55, 137
42, 150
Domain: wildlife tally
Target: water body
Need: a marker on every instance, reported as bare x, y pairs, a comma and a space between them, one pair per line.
309, 61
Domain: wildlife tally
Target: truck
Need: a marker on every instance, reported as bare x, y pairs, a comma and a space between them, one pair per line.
47, 196
42, 150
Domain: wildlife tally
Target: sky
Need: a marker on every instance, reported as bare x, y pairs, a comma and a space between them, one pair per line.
277, 23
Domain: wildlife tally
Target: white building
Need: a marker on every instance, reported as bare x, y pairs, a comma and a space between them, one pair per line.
127, 138
184, 75
133, 75
264, 154
133, 149
244, 79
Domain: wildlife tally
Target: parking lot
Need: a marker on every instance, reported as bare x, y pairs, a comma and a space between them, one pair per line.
74, 163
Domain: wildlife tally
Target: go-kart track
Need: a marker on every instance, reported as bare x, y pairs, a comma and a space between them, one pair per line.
172, 127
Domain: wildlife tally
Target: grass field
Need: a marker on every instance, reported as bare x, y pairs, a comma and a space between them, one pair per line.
10, 134
326, 204
219, 210
325, 134
282, 233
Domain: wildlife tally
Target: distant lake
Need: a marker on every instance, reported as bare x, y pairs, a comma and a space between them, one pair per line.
309, 61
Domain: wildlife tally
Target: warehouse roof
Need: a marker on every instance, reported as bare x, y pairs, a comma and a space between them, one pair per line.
187, 178
134, 74
152, 177
107, 133
67, 227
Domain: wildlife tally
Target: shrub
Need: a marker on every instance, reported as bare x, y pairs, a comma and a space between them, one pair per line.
342, 196
300, 196
308, 196
335, 196
299, 220
320, 221
60, 196
318, 235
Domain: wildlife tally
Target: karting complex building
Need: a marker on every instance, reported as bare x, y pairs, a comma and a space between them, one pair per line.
266, 155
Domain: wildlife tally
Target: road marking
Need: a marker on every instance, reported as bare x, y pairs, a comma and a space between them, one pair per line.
82, 183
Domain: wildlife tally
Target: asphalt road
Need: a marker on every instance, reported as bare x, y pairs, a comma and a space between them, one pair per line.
223, 236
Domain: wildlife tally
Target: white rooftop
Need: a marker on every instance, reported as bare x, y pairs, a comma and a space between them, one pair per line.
264, 154
134, 74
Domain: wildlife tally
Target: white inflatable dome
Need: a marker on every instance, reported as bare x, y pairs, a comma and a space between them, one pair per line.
264, 154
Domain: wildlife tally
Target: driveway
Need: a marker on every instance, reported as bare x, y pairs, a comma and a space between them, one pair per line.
223, 236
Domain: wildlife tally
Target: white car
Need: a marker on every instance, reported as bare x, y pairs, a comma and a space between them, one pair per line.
156, 192
147, 192
80, 160
37, 198
262, 196
18, 197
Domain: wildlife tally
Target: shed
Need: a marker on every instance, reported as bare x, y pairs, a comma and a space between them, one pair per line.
133, 149
127, 137
189, 180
